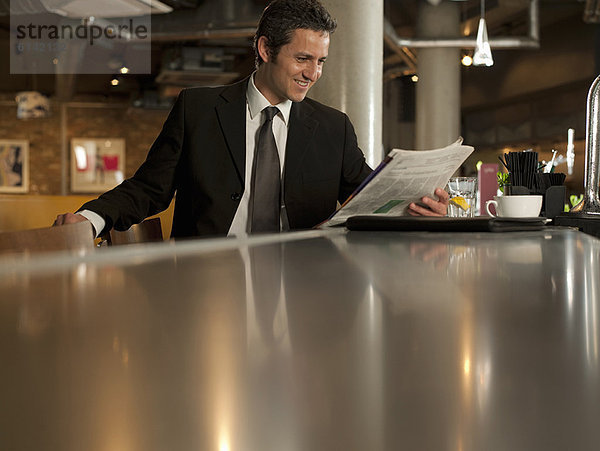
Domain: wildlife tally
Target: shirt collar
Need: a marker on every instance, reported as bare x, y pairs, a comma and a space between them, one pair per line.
257, 102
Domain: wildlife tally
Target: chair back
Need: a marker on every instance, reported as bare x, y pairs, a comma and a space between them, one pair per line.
66, 237
145, 232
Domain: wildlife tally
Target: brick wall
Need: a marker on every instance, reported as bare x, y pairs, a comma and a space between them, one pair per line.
93, 119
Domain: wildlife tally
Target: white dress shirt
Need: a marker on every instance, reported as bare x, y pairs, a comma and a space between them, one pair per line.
255, 103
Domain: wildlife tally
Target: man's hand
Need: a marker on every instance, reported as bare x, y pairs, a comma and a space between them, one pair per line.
68, 218
435, 207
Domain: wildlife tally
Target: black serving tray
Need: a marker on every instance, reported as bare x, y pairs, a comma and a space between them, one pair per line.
444, 224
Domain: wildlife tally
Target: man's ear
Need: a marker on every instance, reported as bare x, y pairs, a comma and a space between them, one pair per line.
263, 49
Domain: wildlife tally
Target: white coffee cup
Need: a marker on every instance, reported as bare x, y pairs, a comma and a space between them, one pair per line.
515, 206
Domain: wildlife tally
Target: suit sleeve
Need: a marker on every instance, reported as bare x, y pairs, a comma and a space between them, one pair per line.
152, 187
354, 167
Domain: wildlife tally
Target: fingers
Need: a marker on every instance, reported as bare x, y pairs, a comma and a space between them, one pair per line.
418, 210
442, 195
68, 218
60, 220
430, 206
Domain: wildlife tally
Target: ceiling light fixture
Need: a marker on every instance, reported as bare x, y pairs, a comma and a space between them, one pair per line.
483, 51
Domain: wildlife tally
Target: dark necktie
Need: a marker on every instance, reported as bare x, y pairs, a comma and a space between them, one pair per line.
266, 181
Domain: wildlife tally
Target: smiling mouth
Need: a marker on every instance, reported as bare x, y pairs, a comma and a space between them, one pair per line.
303, 84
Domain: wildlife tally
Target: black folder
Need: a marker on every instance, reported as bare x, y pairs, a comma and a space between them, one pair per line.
444, 224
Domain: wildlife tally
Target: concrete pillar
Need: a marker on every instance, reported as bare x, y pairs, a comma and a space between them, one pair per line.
353, 74
438, 88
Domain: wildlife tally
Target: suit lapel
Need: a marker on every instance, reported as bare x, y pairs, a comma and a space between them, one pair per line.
300, 134
232, 118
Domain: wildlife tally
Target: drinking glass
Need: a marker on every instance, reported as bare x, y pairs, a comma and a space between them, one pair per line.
462, 192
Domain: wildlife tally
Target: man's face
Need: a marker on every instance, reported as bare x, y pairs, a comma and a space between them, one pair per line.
297, 67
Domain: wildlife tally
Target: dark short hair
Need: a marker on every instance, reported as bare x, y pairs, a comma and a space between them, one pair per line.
281, 18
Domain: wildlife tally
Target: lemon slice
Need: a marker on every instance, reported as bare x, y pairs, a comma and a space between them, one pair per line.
460, 202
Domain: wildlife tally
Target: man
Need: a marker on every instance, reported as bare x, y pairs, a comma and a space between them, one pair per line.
206, 149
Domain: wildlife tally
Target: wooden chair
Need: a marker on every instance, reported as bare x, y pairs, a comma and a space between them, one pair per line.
67, 237
145, 232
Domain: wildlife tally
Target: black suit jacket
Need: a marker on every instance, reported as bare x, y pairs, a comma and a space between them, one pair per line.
201, 152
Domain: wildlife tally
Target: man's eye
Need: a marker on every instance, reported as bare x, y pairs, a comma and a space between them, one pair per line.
301, 58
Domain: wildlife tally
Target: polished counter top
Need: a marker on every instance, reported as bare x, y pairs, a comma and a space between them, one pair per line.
305, 341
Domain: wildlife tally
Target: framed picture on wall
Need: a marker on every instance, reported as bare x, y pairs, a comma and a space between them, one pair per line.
14, 166
97, 164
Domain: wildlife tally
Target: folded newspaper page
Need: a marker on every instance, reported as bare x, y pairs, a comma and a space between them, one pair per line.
404, 176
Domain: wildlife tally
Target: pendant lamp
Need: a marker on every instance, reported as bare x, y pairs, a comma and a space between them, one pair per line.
483, 52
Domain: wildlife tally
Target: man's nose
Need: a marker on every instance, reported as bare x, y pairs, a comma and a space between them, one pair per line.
313, 72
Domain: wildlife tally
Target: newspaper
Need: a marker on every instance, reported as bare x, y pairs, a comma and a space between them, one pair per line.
404, 176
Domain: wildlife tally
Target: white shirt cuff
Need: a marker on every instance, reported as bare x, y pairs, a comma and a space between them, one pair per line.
97, 221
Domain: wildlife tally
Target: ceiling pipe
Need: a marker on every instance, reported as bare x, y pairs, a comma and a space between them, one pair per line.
531, 41
213, 19
403, 53
221, 33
